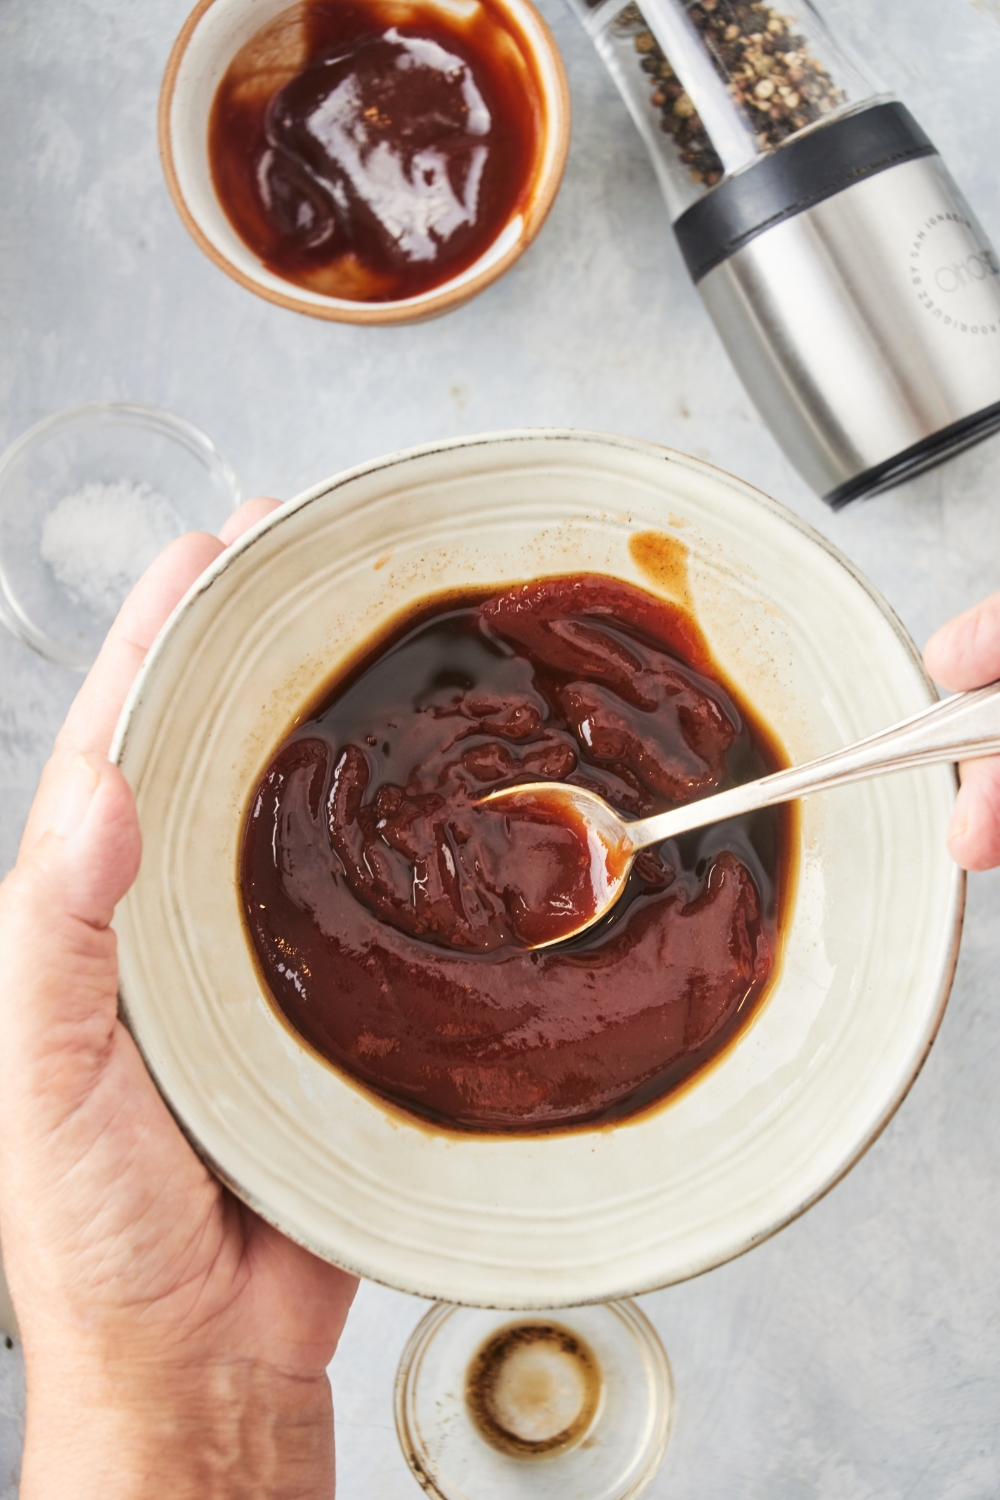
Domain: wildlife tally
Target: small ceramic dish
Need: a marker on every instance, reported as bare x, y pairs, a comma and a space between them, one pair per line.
869, 948
88, 497
209, 40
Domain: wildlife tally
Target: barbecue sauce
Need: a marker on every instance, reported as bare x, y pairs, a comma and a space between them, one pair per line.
393, 914
372, 150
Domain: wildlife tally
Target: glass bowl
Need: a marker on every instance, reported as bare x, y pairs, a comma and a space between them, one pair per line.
88, 497
611, 1455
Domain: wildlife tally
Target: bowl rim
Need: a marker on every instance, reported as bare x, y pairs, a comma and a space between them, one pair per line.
544, 436
551, 72
129, 414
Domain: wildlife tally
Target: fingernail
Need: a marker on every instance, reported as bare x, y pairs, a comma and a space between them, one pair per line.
79, 785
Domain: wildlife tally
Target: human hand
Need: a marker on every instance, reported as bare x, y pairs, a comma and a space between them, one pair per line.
965, 653
175, 1344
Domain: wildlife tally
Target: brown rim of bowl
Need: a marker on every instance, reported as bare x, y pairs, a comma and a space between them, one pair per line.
538, 39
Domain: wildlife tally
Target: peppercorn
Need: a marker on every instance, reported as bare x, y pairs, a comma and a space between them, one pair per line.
767, 69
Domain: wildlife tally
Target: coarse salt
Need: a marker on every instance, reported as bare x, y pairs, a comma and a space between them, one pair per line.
99, 540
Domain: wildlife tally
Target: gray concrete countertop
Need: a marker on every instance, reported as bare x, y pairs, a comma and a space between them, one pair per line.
857, 1354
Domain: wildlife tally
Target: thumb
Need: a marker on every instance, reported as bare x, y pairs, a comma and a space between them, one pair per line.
59, 985
89, 854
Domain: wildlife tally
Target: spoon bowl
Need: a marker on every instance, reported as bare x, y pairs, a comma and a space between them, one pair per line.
606, 850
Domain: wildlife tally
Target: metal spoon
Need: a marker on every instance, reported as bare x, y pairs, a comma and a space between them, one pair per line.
963, 727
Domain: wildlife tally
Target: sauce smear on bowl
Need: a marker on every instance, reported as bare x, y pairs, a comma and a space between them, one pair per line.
373, 150
392, 914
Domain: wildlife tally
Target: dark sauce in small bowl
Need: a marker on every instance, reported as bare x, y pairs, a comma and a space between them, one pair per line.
391, 913
373, 150
533, 1389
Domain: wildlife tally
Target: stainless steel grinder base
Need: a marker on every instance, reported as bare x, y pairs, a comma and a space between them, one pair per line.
858, 299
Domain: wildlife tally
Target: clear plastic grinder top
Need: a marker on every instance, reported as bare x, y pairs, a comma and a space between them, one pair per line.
855, 293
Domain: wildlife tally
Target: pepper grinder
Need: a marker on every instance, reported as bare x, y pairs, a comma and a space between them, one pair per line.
854, 290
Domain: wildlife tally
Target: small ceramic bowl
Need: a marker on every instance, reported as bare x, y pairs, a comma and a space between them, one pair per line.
869, 948
209, 40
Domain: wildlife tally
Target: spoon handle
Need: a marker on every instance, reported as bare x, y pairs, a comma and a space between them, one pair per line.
965, 726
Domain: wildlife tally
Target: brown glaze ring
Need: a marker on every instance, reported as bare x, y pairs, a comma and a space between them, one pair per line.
538, 41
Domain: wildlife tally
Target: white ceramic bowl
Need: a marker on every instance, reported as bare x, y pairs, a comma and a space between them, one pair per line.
526, 1222
209, 40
